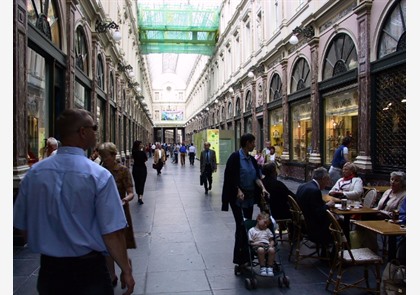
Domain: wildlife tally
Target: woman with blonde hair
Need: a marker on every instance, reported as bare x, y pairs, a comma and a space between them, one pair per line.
124, 181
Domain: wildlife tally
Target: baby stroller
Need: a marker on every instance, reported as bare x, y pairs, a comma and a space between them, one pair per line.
278, 271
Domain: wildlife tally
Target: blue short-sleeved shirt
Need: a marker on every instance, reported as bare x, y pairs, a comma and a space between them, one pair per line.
66, 203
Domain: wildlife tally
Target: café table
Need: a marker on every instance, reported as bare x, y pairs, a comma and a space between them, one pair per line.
348, 212
385, 228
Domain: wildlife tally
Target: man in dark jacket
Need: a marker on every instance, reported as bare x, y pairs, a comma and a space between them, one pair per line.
309, 198
242, 188
208, 165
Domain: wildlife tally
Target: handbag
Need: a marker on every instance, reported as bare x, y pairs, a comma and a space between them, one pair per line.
393, 278
202, 179
154, 166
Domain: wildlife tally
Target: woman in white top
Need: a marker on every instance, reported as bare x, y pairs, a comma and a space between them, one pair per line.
349, 186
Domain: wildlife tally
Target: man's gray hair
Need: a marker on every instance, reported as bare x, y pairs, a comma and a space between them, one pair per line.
320, 173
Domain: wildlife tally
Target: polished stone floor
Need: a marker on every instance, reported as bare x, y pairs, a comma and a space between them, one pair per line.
185, 244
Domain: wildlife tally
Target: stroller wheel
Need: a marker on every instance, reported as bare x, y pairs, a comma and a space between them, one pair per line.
286, 281
237, 270
254, 283
279, 281
248, 284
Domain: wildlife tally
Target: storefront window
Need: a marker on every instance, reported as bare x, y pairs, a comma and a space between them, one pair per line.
341, 120
37, 106
276, 130
301, 131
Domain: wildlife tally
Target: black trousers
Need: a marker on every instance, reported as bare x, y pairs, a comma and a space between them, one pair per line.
192, 158
241, 249
85, 275
208, 173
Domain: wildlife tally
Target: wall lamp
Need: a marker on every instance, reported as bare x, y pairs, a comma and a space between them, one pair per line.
308, 32
123, 68
230, 90
102, 27
251, 74
132, 85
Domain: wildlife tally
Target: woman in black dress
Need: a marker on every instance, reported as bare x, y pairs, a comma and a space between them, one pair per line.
139, 168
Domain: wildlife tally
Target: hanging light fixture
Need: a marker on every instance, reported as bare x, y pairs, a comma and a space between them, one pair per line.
308, 32
251, 74
102, 27
294, 40
230, 89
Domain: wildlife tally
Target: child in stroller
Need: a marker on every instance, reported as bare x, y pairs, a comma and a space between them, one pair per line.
264, 248
261, 239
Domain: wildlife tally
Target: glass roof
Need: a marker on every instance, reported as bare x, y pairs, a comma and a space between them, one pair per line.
177, 28
173, 34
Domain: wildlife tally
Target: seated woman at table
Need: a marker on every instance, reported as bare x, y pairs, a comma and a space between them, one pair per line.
392, 198
350, 186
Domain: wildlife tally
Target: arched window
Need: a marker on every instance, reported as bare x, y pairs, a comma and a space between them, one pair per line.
100, 72
341, 56
43, 15
275, 87
301, 75
81, 50
393, 33
238, 106
111, 86
248, 101
230, 110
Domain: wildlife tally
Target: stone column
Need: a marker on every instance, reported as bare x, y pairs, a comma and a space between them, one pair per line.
285, 107
253, 106
315, 157
20, 123
363, 160
71, 58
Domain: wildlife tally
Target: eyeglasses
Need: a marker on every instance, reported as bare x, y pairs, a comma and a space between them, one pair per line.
94, 127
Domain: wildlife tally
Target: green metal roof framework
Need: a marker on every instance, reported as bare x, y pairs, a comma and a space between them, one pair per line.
169, 28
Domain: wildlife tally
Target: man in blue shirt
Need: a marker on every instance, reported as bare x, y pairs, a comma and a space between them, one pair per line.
70, 210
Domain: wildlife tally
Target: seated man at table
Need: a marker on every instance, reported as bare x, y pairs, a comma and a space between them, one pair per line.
350, 186
309, 198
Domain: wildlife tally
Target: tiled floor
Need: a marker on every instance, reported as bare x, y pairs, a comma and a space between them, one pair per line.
185, 244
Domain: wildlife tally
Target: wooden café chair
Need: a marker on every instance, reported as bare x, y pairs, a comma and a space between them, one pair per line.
345, 258
300, 236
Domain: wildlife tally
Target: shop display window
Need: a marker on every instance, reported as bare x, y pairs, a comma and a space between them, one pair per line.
341, 120
276, 130
37, 107
301, 131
